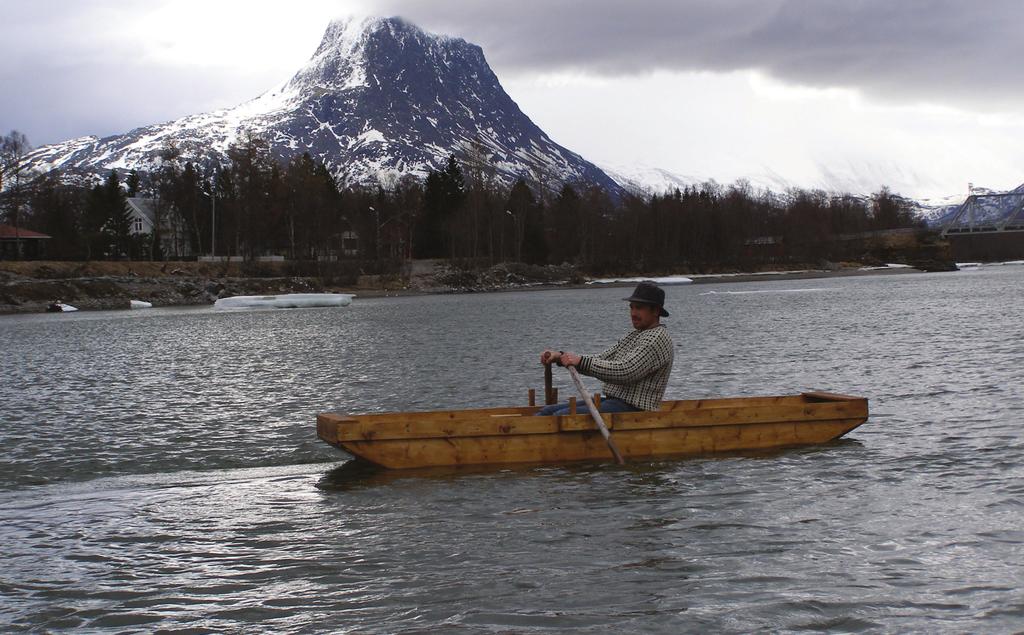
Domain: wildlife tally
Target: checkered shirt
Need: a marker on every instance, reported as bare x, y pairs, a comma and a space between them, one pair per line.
636, 369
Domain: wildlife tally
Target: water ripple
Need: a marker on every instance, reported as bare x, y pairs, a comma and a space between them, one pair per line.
159, 472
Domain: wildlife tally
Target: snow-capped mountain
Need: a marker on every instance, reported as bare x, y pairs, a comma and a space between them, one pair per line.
379, 99
988, 207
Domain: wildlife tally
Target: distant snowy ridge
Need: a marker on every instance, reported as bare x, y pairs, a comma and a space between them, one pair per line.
642, 179
939, 212
645, 180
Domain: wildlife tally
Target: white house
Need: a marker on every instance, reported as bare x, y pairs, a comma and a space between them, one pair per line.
142, 214
173, 241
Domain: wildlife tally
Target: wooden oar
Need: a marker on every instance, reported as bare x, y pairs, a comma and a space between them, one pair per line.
595, 414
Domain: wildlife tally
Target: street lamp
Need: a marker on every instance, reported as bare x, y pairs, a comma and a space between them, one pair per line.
213, 216
517, 233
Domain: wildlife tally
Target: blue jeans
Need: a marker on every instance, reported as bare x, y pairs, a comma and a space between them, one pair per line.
608, 404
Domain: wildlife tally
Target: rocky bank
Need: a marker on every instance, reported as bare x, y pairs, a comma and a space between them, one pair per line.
29, 287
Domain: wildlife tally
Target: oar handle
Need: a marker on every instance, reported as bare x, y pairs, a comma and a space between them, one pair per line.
548, 396
596, 415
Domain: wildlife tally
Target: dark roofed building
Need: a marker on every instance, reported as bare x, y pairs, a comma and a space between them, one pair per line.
21, 244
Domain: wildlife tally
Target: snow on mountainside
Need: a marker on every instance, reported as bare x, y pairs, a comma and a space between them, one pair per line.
938, 212
645, 180
380, 98
861, 180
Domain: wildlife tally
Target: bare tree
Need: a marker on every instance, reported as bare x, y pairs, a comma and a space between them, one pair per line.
165, 180
14, 148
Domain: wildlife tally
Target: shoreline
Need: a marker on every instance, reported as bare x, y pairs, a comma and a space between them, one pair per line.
697, 279
99, 287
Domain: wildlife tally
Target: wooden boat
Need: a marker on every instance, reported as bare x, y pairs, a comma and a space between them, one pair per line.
515, 435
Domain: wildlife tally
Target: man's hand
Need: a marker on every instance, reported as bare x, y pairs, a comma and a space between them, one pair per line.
570, 359
562, 358
549, 357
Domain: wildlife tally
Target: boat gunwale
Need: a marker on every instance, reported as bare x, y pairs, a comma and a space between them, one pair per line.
669, 404
518, 421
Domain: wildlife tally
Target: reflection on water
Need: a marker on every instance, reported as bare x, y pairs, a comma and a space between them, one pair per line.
161, 472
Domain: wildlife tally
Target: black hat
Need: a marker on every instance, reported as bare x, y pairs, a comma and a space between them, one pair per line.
649, 293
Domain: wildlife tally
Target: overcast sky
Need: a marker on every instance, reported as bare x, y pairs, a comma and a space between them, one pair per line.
921, 95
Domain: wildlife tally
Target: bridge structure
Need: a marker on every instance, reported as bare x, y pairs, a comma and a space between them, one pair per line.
988, 214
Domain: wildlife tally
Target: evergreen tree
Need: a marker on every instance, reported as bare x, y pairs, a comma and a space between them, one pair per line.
117, 226
527, 231
93, 221
273, 221
225, 234
106, 220
429, 242
302, 205
564, 220
453, 188
57, 209
250, 173
187, 205
408, 202
166, 182
327, 221
133, 182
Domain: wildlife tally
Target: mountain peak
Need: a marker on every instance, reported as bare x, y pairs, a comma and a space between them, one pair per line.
352, 45
338, 63
348, 33
380, 98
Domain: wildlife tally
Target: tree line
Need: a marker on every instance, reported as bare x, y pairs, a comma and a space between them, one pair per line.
253, 206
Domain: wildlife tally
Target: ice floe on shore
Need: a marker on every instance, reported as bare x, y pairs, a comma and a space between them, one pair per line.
890, 265
762, 291
284, 301
666, 280
978, 265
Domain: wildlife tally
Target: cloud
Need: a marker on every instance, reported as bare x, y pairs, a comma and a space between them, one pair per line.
723, 88
909, 51
939, 51
99, 67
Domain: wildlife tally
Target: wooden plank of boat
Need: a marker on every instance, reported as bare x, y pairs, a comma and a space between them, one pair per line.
514, 435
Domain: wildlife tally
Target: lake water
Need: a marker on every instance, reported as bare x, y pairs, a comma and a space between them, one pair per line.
159, 470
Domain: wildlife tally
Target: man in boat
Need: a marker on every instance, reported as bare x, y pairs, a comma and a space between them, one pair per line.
635, 371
